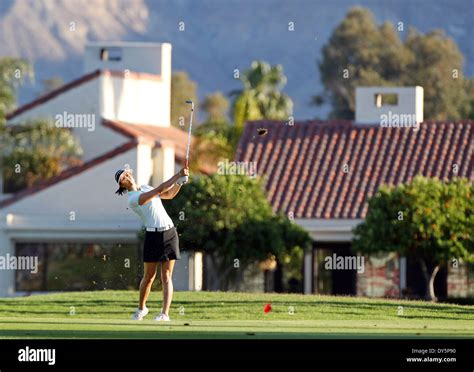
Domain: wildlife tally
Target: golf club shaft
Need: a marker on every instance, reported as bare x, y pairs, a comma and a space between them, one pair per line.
184, 179
189, 133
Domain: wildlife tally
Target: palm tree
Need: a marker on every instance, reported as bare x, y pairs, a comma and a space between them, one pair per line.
261, 97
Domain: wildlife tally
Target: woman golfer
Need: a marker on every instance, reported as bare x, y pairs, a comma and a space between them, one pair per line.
161, 238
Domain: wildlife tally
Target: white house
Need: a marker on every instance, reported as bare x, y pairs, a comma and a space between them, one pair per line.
120, 112
322, 173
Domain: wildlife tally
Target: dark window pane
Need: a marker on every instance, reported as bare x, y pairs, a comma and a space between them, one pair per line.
111, 54
26, 280
74, 266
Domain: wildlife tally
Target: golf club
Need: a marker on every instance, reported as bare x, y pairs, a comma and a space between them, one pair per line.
185, 179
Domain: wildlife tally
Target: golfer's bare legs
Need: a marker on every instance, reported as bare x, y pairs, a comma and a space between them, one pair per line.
166, 279
149, 274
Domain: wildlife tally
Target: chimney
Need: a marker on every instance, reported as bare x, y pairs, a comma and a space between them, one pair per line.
389, 106
163, 157
136, 84
150, 58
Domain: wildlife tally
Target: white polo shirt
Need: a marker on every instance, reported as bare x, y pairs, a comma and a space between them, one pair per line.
153, 214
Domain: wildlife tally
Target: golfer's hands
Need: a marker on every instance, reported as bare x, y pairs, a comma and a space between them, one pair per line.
184, 172
182, 176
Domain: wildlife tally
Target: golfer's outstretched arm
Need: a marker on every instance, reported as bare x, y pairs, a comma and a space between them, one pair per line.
171, 193
163, 188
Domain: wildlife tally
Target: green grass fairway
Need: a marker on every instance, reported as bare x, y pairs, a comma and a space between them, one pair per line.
106, 314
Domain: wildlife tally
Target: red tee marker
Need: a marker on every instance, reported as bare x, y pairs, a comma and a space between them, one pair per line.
267, 308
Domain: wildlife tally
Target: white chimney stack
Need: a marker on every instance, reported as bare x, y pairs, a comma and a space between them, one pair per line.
150, 58
137, 86
389, 106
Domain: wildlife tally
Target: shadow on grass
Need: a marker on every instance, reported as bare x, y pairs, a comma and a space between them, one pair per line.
393, 302
192, 328
309, 316
190, 322
169, 334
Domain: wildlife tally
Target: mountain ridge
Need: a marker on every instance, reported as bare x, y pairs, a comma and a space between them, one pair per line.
219, 36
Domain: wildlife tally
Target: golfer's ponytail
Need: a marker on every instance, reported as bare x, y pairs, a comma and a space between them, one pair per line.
121, 191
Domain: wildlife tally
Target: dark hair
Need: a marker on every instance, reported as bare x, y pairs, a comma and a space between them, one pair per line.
121, 190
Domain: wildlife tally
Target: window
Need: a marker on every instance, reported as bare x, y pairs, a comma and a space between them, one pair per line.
79, 266
111, 54
386, 99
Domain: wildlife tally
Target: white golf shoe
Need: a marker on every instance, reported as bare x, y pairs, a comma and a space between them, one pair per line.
162, 318
140, 314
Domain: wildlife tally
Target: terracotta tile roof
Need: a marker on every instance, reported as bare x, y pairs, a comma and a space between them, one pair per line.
158, 135
151, 132
68, 173
303, 164
76, 83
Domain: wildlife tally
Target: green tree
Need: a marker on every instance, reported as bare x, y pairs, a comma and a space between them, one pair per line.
212, 144
427, 219
436, 58
216, 106
182, 89
361, 53
468, 108
214, 139
13, 72
36, 151
228, 217
261, 96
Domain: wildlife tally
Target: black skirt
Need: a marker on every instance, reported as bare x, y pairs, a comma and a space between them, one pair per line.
161, 246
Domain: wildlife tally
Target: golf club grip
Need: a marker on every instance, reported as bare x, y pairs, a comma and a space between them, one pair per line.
182, 180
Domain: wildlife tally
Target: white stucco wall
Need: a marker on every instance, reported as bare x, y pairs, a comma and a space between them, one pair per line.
135, 101
129, 98
85, 207
410, 102
81, 208
329, 230
90, 194
7, 277
144, 170
164, 165
99, 214
81, 100
145, 101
